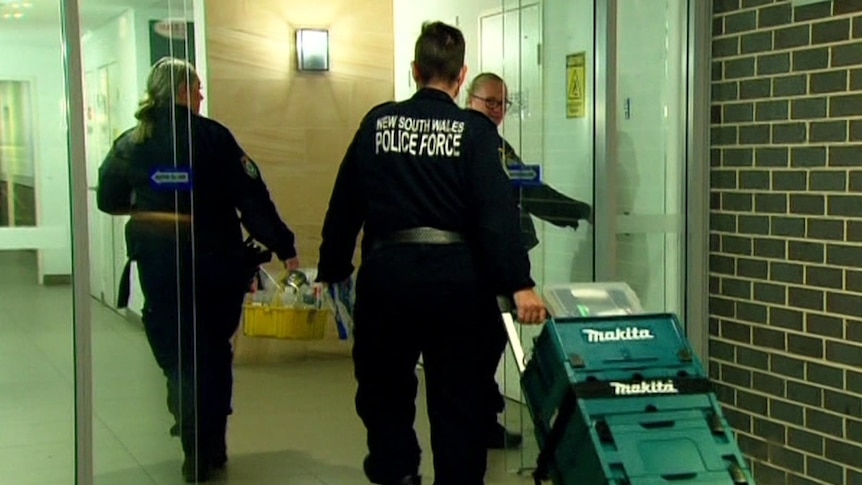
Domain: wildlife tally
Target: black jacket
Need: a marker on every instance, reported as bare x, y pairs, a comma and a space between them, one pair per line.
425, 162
541, 201
189, 182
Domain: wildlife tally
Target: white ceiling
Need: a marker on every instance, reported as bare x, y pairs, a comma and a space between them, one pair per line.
41, 14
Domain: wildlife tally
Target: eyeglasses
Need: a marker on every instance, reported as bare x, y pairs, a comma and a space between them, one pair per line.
494, 103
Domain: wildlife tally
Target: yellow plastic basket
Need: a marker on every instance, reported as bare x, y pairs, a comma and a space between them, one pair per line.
264, 320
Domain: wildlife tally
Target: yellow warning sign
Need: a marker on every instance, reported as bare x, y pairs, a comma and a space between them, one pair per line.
576, 85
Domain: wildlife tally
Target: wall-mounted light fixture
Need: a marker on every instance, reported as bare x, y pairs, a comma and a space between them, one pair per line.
312, 49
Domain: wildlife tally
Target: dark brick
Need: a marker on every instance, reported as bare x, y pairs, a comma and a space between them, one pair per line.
722, 392
773, 110
856, 130
773, 64
785, 318
738, 68
731, 201
724, 6
753, 224
854, 231
715, 114
844, 255
721, 307
754, 134
806, 346
856, 78
787, 412
806, 60
769, 384
824, 470
824, 422
770, 203
843, 403
715, 201
753, 447
792, 180
752, 403
853, 282
770, 293
755, 3
845, 304
726, 91
813, 11
789, 133
854, 330
845, 156
766, 473
778, 15
722, 179
722, 222
721, 350
848, 105
847, 54
717, 26
786, 272
754, 179
726, 47
807, 204
843, 353
735, 288
805, 441
845, 205
807, 156
740, 22
827, 180
757, 42
831, 31
715, 157
738, 112
770, 157
754, 88
722, 264
828, 82
722, 135
788, 226
805, 298
756, 359
808, 108
741, 157
812, 252
854, 430
842, 452
789, 37
824, 325
736, 245
715, 245
787, 366
857, 27
717, 71
790, 85
782, 457
770, 431
736, 375
825, 375
773, 339
805, 393
714, 374
770, 248
752, 268
825, 229
854, 382
847, 6
824, 277
825, 131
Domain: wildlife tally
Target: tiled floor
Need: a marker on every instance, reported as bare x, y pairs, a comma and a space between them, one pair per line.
294, 422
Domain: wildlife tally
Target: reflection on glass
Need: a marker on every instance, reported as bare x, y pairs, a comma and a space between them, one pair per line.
17, 158
312, 49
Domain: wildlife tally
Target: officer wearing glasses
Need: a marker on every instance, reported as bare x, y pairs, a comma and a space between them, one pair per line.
488, 94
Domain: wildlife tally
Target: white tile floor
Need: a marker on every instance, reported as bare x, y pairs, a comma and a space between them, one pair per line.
294, 422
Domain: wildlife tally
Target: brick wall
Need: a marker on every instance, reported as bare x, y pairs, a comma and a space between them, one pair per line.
786, 235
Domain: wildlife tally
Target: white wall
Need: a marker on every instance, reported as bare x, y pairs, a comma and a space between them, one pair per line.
35, 56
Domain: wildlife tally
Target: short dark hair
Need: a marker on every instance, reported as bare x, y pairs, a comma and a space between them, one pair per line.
439, 53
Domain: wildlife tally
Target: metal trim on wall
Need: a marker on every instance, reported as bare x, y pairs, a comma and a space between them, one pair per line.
697, 141
74, 76
604, 123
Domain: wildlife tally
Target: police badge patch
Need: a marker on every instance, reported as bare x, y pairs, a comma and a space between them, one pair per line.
250, 167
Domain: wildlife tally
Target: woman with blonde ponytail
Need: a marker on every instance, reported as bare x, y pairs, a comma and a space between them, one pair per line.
190, 189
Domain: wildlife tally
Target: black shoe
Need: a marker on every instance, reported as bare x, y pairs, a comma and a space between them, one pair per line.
196, 470
375, 477
499, 438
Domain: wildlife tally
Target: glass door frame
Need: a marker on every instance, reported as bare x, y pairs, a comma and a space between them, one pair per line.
81, 301
694, 276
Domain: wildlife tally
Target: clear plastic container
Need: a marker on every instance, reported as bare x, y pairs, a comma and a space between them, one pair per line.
574, 300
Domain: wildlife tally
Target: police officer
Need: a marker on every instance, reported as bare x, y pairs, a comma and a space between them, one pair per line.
487, 94
422, 178
189, 188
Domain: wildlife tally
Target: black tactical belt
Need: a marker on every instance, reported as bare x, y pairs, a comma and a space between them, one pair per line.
421, 235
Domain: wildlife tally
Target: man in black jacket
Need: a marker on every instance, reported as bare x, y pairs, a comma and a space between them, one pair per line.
487, 94
423, 178
189, 188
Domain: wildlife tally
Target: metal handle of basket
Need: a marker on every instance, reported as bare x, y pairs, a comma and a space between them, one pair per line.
507, 308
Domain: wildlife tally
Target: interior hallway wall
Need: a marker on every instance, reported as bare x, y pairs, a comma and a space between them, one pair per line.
786, 235
297, 125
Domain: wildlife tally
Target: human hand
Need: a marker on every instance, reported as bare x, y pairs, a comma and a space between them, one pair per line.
292, 263
531, 309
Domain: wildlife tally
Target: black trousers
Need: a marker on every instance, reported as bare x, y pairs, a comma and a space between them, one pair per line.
428, 300
192, 307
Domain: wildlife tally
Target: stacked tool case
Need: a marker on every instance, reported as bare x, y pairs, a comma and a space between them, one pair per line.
623, 400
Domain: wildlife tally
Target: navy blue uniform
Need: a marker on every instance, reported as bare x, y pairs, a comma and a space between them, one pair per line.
424, 162
189, 189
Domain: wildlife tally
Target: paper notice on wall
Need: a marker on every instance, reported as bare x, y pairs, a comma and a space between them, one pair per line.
576, 85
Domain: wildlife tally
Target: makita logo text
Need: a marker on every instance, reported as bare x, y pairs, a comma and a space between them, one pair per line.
619, 334
646, 387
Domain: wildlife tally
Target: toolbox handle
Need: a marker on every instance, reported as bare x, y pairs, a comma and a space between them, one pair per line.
677, 477
506, 308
